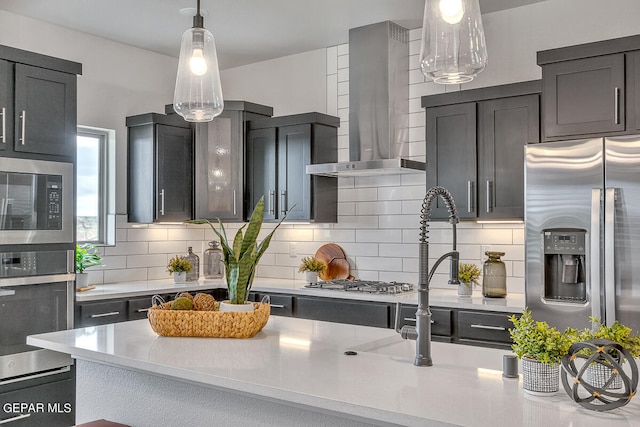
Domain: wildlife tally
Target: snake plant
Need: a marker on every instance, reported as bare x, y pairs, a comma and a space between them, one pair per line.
241, 257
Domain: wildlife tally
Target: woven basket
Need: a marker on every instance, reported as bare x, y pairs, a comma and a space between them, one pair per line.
218, 324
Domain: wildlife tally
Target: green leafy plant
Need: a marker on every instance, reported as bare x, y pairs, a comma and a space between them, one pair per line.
311, 264
617, 332
87, 256
469, 274
538, 340
178, 264
241, 257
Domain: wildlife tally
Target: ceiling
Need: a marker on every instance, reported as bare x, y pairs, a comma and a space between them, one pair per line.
246, 31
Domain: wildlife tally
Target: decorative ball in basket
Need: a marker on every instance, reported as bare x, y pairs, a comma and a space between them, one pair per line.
597, 354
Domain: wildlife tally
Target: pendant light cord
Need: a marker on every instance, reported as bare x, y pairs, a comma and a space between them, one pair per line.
198, 20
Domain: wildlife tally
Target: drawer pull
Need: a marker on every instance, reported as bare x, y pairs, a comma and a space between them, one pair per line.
493, 328
277, 306
19, 417
413, 319
111, 313
142, 310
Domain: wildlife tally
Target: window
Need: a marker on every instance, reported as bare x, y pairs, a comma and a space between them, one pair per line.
94, 196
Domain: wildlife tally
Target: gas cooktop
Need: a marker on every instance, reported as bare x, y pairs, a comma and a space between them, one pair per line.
364, 286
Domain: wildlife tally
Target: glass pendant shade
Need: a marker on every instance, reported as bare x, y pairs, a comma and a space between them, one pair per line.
198, 93
453, 49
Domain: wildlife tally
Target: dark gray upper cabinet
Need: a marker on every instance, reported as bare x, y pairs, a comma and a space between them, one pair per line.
584, 96
452, 157
37, 104
591, 89
475, 148
220, 161
278, 150
505, 125
159, 168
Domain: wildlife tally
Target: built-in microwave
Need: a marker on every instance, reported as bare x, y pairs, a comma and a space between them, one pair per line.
36, 201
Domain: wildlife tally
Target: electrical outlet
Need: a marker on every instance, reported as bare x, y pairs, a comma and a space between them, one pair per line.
292, 250
485, 248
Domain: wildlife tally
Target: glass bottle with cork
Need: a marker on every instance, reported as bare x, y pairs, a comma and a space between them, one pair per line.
193, 274
212, 266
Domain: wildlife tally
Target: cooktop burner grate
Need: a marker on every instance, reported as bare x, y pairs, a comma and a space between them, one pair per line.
364, 286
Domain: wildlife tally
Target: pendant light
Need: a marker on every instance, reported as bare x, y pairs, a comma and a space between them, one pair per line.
198, 93
453, 49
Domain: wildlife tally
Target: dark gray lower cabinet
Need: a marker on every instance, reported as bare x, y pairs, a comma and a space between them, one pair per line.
100, 312
137, 308
52, 397
484, 328
341, 311
441, 321
281, 305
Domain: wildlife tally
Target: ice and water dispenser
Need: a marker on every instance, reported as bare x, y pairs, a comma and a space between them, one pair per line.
564, 265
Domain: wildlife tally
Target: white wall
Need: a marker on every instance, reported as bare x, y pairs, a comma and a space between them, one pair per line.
117, 80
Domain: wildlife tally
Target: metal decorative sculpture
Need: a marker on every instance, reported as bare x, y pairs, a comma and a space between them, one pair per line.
612, 356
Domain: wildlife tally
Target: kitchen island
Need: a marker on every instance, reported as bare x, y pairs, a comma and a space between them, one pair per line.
295, 372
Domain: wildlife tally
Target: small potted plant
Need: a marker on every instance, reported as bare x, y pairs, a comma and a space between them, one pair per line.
598, 374
311, 266
86, 256
541, 348
179, 267
468, 275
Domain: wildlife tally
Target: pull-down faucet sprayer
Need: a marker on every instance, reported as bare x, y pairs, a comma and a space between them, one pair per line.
422, 331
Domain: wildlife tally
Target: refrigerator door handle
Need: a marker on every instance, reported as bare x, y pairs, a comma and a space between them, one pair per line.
609, 255
594, 256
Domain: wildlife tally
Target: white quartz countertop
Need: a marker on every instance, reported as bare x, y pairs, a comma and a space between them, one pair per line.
303, 363
514, 302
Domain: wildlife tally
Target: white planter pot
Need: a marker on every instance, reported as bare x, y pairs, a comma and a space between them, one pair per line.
227, 306
465, 290
82, 280
311, 276
179, 276
598, 374
540, 379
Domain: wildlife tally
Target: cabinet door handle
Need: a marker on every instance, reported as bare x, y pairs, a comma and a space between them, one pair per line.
162, 202
489, 196
111, 313
16, 418
272, 196
4, 124
616, 105
493, 328
23, 121
413, 319
470, 196
235, 209
277, 306
283, 202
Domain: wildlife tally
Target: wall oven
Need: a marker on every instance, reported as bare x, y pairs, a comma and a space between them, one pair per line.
36, 296
36, 201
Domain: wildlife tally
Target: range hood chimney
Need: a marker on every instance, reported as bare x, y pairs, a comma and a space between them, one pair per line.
378, 104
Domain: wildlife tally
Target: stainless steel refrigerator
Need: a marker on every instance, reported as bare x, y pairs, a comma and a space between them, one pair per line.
582, 215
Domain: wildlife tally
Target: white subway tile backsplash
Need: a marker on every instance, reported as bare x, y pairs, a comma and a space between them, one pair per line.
334, 235
343, 62
168, 246
125, 275
358, 195
379, 236
417, 119
343, 75
343, 101
406, 192
357, 221
155, 260
378, 208
405, 250
146, 234
359, 249
399, 221
332, 60
378, 263
332, 95
377, 181
343, 88
343, 49
127, 248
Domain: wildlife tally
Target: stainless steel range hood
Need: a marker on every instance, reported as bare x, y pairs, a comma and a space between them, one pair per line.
378, 104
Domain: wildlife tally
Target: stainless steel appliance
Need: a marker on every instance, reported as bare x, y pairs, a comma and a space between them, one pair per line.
582, 214
36, 201
363, 286
36, 296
